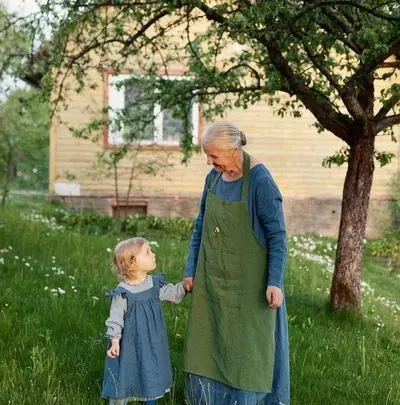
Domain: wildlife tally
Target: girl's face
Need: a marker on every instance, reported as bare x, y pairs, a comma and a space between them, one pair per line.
146, 259
219, 156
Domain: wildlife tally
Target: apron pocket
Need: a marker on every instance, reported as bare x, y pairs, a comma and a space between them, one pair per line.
223, 265
226, 292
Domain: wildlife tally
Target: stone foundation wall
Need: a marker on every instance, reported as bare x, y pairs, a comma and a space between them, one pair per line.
303, 215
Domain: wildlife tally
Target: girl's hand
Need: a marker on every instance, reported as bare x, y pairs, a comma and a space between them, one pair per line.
188, 284
274, 297
113, 351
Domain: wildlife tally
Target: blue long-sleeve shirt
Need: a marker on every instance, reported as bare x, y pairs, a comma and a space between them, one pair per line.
266, 216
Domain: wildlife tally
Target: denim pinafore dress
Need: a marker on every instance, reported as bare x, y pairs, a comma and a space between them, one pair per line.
143, 369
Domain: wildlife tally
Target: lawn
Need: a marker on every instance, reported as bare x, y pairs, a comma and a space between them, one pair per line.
53, 308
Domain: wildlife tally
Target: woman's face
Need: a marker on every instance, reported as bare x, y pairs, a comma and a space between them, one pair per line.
220, 155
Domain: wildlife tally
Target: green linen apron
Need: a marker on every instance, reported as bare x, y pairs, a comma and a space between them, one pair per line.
231, 330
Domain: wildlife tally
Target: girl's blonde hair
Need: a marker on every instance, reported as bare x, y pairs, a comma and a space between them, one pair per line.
227, 133
124, 253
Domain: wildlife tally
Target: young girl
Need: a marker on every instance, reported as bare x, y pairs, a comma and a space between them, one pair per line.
137, 365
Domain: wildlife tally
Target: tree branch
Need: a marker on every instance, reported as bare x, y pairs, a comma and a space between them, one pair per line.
395, 65
373, 63
349, 3
322, 110
387, 106
256, 74
387, 122
356, 81
355, 46
345, 41
315, 59
210, 13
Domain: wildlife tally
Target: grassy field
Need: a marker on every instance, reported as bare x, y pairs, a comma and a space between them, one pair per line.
53, 308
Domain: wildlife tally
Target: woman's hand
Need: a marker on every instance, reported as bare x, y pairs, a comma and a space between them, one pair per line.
188, 284
274, 297
113, 351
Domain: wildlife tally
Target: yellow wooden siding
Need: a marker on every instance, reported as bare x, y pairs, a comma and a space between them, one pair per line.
291, 148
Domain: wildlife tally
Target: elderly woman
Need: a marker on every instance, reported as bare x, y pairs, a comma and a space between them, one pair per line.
236, 347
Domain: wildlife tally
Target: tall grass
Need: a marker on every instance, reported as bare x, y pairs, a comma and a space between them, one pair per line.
52, 313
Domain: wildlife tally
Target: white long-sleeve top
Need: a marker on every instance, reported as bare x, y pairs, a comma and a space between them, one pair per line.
115, 323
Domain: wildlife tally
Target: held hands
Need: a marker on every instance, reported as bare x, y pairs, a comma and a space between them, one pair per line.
188, 284
113, 351
274, 297
273, 294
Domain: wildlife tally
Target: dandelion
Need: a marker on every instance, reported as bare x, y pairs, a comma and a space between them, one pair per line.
61, 291
27, 264
47, 275
109, 250
46, 288
1, 260
16, 257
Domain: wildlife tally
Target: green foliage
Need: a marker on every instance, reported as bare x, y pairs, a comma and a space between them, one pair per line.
24, 139
342, 156
338, 159
14, 45
324, 55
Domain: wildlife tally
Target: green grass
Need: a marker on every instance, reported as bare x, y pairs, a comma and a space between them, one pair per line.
52, 345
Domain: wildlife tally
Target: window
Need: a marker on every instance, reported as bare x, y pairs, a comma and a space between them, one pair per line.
164, 129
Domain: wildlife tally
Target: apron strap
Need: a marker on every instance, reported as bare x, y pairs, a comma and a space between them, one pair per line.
246, 177
215, 181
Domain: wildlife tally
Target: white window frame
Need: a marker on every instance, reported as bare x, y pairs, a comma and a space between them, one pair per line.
116, 101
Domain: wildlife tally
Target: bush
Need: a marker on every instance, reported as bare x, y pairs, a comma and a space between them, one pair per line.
388, 247
93, 222
395, 202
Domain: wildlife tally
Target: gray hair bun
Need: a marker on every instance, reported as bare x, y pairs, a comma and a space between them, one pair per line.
227, 133
243, 139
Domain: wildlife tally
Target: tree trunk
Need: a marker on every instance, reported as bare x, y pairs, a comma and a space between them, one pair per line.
346, 283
